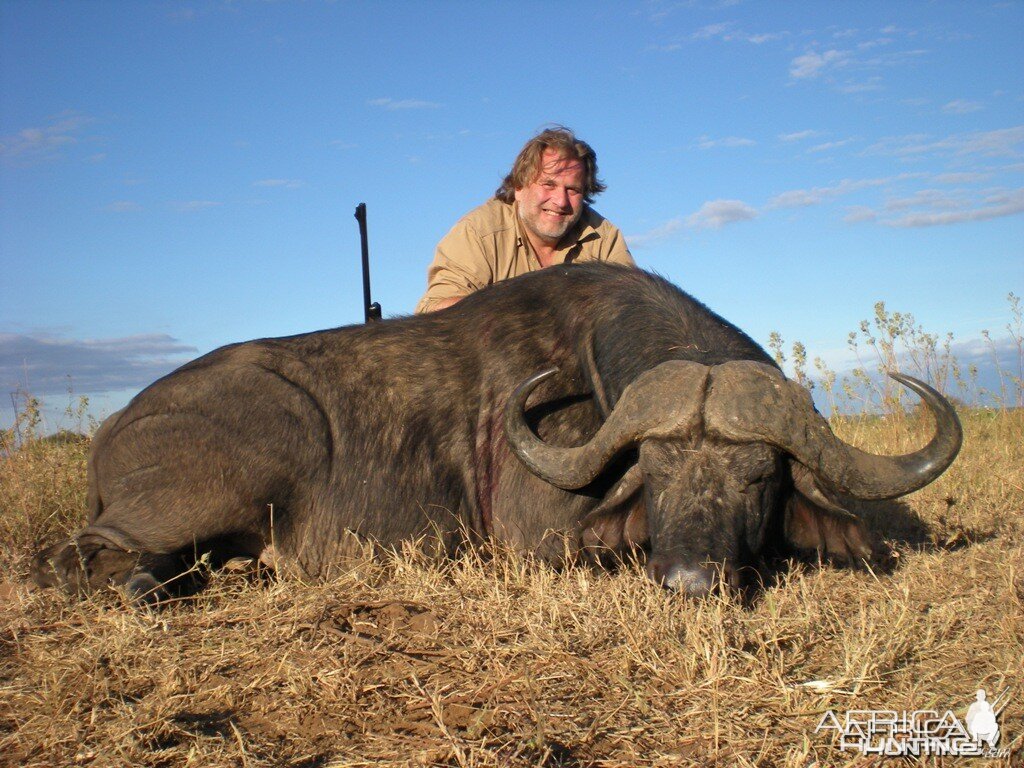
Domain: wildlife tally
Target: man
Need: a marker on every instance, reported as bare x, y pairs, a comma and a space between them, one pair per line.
540, 216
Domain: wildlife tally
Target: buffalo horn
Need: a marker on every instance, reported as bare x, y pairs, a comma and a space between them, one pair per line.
663, 401
748, 401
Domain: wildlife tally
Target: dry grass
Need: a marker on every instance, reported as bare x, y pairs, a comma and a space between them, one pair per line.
480, 662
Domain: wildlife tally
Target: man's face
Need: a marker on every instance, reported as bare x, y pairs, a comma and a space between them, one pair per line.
553, 202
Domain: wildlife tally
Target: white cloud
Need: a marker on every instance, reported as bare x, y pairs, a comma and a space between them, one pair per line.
285, 183
726, 32
863, 56
858, 214
981, 350
656, 235
998, 143
802, 198
123, 206
182, 15
812, 64
830, 145
665, 48
962, 178
765, 37
961, 107
60, 132
717, 213
894, 59
934, 207
796, 198
867, 45
798, 136
41, 362
714, 214
394, 104
1003, 142
864, 86
926, 198
925, 207
187, 206
711, 31
909, 144
706, 142
994, 207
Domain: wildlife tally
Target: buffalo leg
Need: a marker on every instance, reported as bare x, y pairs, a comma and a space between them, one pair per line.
96, 556
172, 478
102, 555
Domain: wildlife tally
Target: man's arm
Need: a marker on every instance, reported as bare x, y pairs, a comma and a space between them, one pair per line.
443, 303
618, 252
459, 268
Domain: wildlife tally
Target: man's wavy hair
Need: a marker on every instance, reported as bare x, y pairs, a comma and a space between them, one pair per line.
527, 166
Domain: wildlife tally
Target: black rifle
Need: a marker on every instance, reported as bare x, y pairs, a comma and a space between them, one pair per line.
370, 310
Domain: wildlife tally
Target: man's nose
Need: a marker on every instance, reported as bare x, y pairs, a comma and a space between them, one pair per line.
560, 197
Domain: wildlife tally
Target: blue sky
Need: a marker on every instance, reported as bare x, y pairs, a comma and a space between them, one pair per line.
175, 176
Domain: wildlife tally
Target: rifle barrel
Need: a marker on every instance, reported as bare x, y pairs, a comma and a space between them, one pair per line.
371, 311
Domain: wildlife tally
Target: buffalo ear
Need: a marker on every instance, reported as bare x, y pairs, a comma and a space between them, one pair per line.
833, 532
619, 522
615, 532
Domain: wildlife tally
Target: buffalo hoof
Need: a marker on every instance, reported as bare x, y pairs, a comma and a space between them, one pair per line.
145, 591
82, 564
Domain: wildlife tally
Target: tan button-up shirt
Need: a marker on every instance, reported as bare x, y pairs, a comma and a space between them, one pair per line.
488, 245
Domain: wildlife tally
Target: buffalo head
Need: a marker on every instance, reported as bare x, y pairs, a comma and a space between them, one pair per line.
721, 450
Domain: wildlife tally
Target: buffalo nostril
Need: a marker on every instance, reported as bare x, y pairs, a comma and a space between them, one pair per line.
695, 581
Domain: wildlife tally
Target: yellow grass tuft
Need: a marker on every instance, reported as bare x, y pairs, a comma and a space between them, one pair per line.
488, 661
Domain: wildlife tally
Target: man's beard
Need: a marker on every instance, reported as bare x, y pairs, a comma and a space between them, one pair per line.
548, 232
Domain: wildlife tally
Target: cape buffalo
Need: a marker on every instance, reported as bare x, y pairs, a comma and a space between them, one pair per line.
595, 402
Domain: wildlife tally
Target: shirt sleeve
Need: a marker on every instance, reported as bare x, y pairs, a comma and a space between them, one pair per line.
460, 267
618, 252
